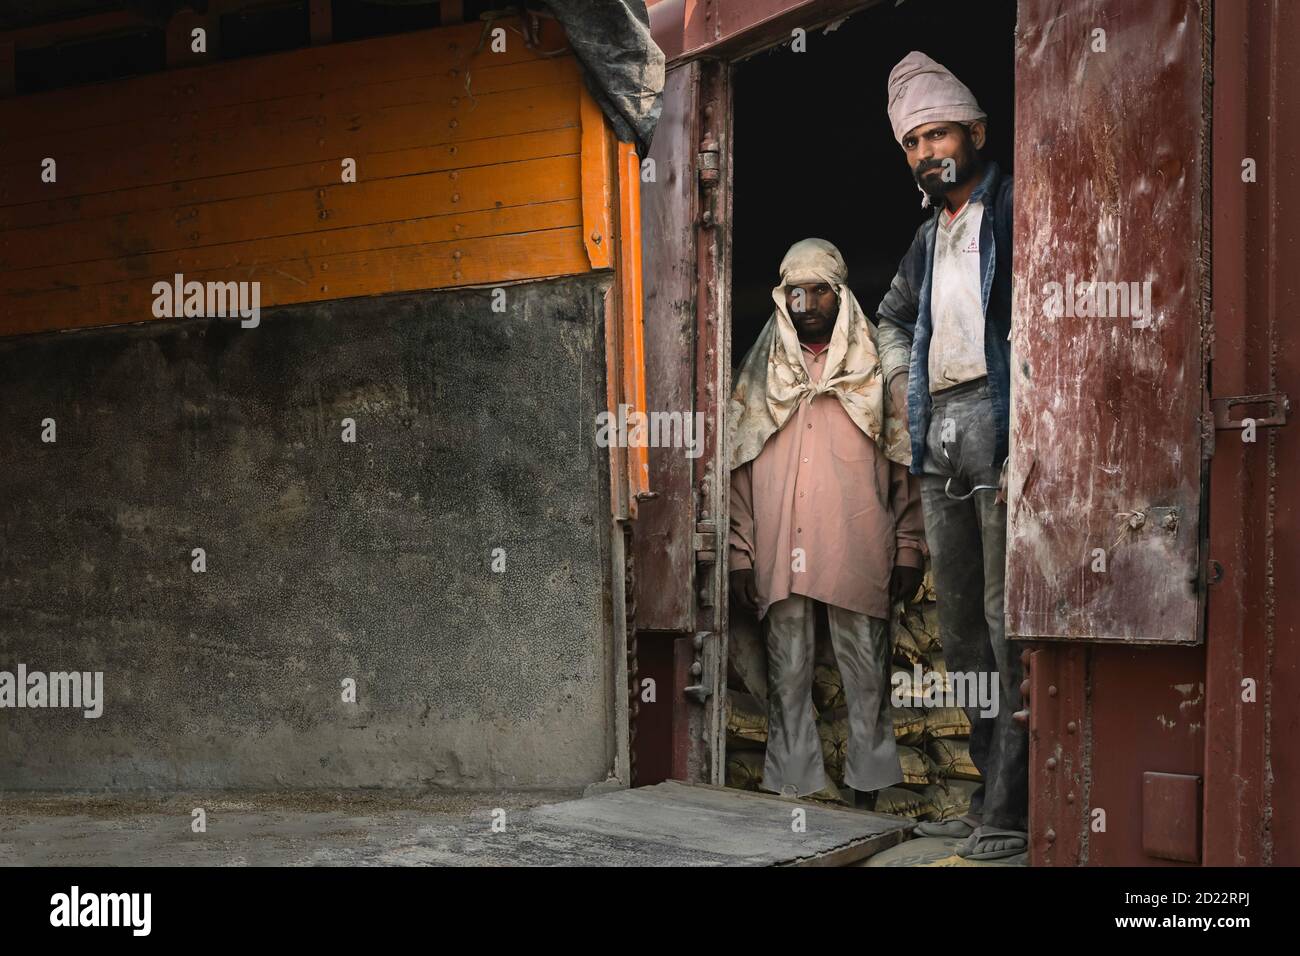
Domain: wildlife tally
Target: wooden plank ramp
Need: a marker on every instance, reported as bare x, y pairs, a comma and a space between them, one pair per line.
679, 824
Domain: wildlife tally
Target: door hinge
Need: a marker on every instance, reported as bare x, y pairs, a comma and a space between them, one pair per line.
708, 167
706, 558
1278, 404
706, 542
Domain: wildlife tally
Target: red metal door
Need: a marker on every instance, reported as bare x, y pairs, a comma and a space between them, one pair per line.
1106, 531
680, 533
1111, 293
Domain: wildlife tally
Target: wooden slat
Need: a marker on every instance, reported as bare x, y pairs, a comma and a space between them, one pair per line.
242, 256
82, 28
234, 120
597, 183
629, 282
370, 166
310, 70
278, 214
495, 259
326, 137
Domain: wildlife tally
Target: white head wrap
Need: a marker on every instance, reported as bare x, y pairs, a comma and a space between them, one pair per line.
772, 379
923, 91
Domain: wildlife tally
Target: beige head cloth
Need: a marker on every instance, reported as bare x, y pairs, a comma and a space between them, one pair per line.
772, 380
923, 91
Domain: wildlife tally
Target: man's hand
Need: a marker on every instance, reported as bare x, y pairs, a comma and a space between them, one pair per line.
744, 589
898, 397
904, 583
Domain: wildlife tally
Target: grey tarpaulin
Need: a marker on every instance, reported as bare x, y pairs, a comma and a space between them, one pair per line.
624, 67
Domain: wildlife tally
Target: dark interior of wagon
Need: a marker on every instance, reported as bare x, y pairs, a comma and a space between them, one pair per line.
814, 156
813, 153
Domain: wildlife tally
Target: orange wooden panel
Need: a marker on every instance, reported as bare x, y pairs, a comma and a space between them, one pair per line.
279, 214
495, 259
333, 136
235, 120
370, 166
246, 260
319, 70
466, 176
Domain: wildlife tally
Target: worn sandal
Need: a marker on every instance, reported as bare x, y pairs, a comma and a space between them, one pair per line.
991, 843
958, 829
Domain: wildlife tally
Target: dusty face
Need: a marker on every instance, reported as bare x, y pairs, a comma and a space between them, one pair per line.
813, 307
930, 144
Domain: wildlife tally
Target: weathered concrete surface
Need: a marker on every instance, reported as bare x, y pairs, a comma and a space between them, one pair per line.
669, 824
325, 560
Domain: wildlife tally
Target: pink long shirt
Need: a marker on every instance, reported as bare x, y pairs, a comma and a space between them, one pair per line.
822, 486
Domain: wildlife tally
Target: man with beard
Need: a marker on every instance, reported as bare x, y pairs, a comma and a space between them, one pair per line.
944, 330
823, 523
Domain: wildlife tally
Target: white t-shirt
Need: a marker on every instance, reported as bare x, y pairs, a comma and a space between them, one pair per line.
956, 306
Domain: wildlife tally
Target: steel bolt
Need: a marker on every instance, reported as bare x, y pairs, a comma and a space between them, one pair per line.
1071, 727
1051, 763
1050, 835
1051, 690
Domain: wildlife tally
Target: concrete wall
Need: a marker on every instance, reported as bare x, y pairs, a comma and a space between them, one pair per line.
325, 560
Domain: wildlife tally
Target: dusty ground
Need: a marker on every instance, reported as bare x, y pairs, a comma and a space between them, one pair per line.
366, 828
310, 828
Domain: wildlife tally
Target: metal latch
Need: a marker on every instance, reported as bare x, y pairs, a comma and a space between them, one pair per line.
699, 691
1278, 404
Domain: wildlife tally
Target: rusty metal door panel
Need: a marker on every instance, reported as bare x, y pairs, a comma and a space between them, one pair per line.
1146, 715
665, 525
1252, 763
734, 28
680, 533
1104, 522
1101, 718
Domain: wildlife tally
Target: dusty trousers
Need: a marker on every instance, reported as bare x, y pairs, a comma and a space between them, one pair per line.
862, 651
968, 542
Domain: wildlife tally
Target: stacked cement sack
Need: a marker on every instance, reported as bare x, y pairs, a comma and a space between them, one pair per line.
933, 742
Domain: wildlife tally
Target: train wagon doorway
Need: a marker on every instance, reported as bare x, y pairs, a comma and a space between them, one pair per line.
813, 156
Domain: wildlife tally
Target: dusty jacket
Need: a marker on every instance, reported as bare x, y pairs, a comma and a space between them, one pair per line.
905, 327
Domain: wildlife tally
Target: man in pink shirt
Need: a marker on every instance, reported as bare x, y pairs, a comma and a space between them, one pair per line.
825, 519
